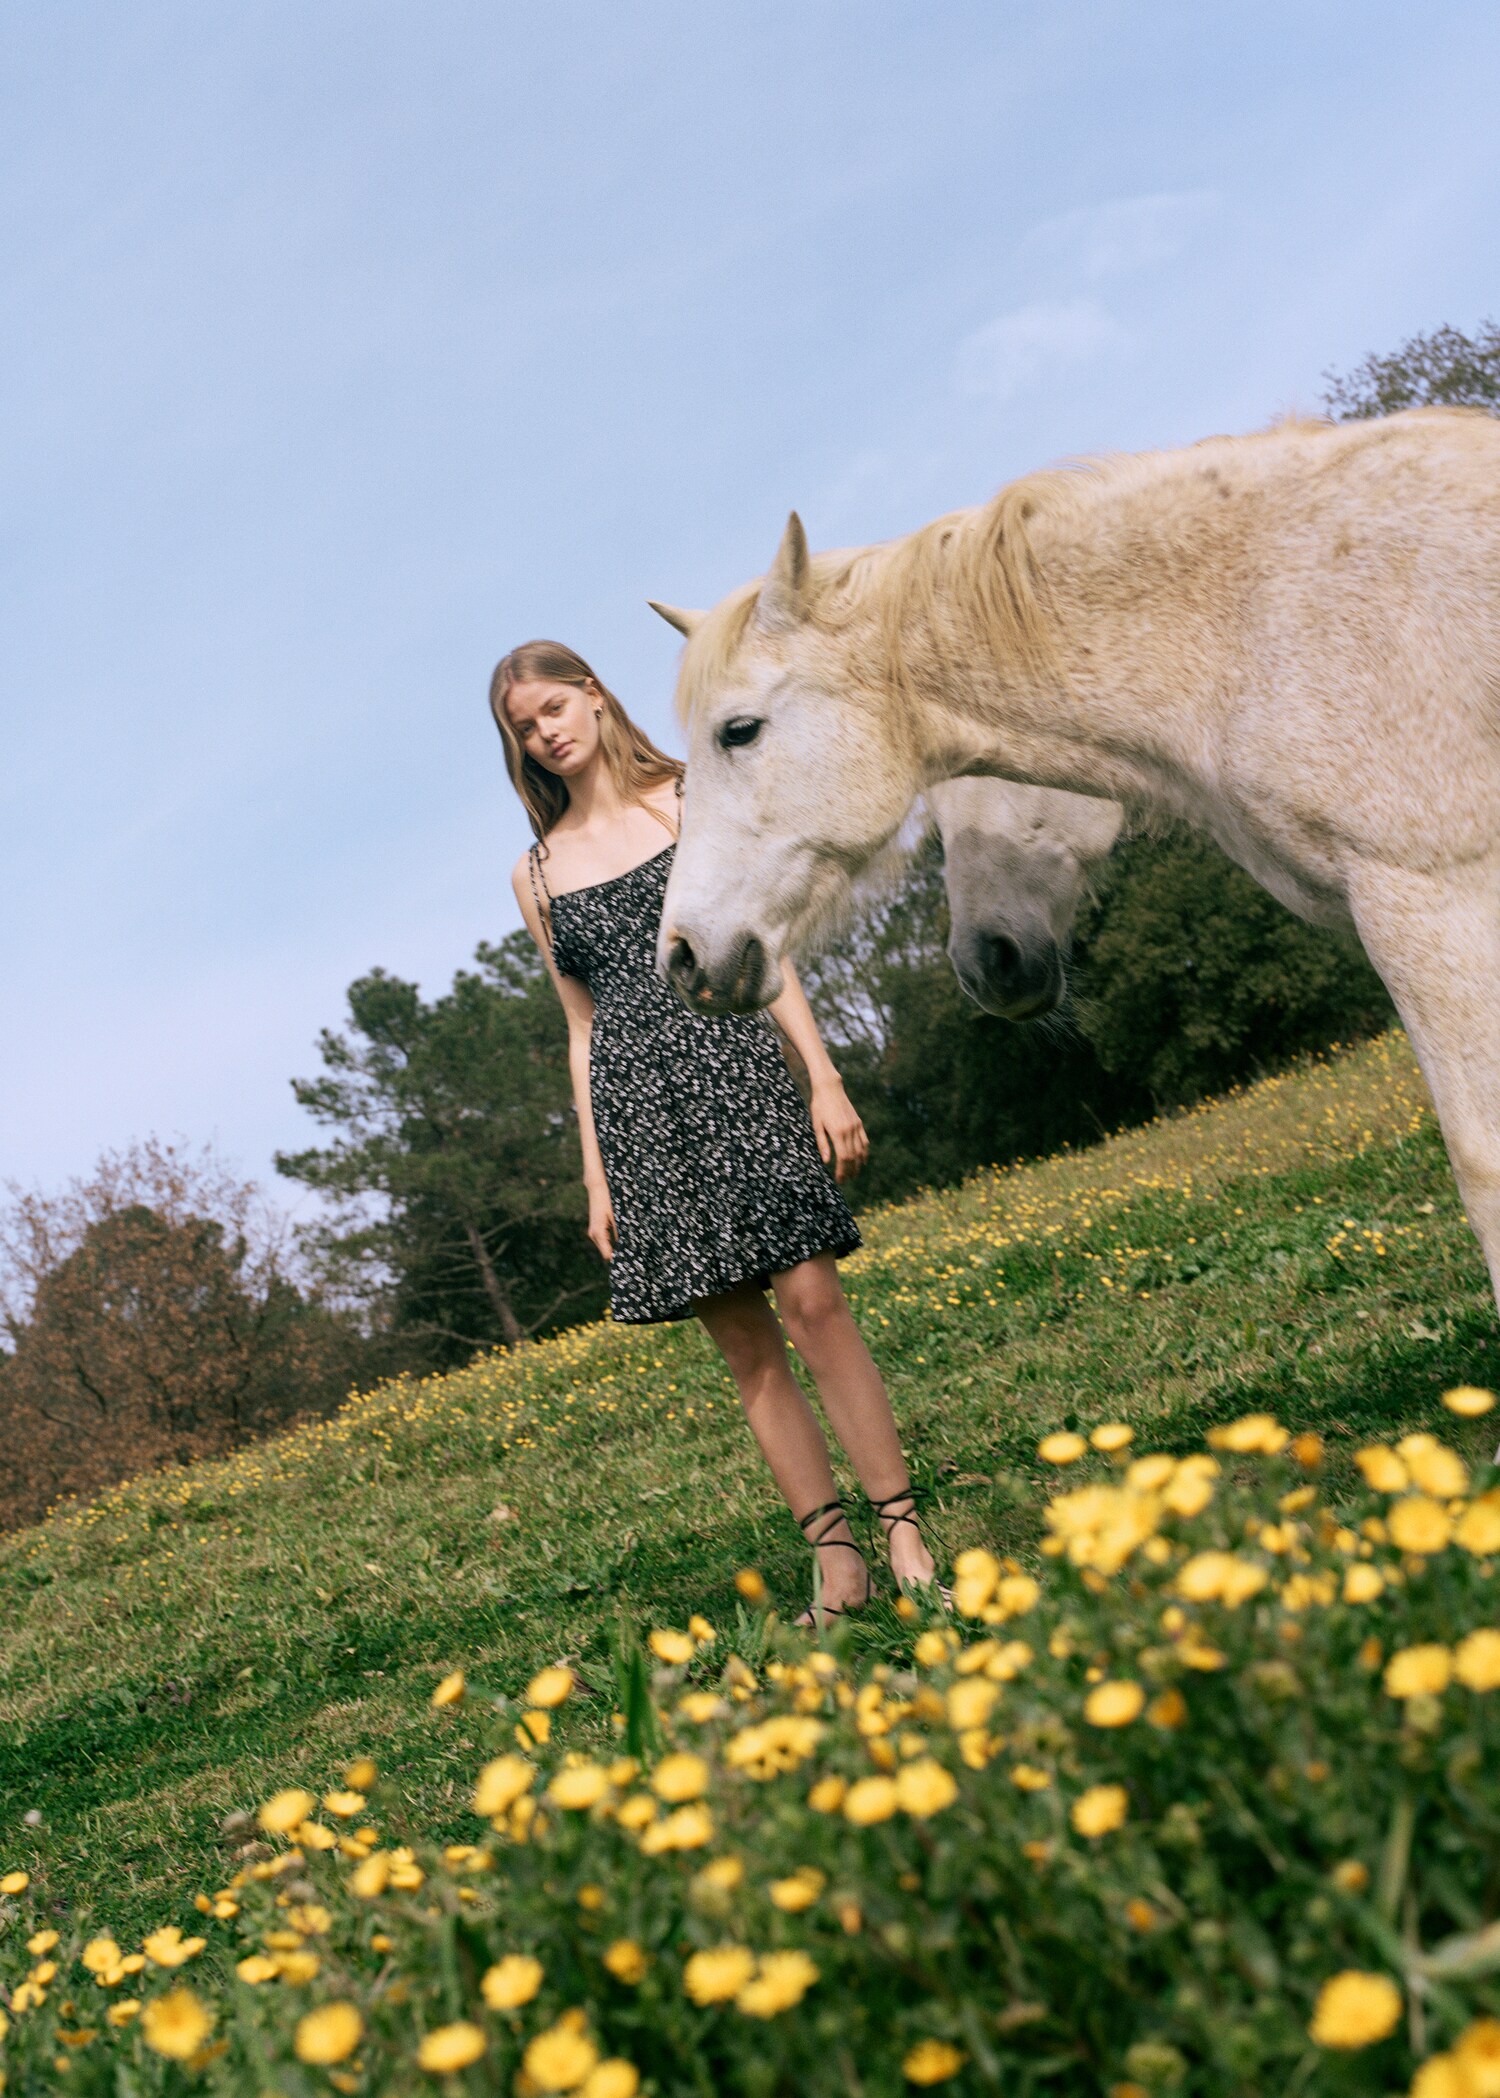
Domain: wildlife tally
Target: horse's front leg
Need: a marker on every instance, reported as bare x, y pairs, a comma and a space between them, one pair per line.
1436, 942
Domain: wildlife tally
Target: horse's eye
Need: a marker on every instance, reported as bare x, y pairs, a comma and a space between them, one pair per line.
738, 733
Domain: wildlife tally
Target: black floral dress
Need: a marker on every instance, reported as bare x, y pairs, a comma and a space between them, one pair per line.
707, 1144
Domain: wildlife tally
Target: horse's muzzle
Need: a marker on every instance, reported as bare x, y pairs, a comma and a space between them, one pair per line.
743, 983
1013, 981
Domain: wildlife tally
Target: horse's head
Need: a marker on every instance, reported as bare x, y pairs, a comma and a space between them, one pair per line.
1016, 860
795, 782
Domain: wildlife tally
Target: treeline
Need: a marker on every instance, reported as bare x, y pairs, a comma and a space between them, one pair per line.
159, 1311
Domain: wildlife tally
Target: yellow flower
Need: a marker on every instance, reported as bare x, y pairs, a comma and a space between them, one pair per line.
1418, 1671
1478, 1528
329, 2034
1307, 1448
315, 1835
512, 1982
1443, 2076
1150, 1474
671, 1646
931, 1650
1256, 1434
15, 1883
310, 1917
284, 1811
345, 1804
719, 1876
1478, 2051
1027, 1778
1419, 1525
1351, 1876
799, 1891
932, 2061
688, 1829
361, 1774
1355, 2010
1433, 1466
680, 1777
256, 1969
1476, 1660
1139, 1914
1114, 1704
1363, 1582
552, 1687
871, 1799
501, 1784
702, 1630
716, 1976
924, 1787
626, 1961
1062, 1448
1382, 1469
1191, 1486
169, 1948
782, 1980
534, 1729
449, 2048
1112, 1435
975, 1575
297, 1968
1468, 1401
1210, 1577
42, 1941
122, 2012
700, 1706
1168, 1711
615, 2078
637, 1811
176, 2025
100, 1955
1015, 1595
580, 1787
1100, 1809
970, 1702
450, 1690
750, 1584
827, 1795
370, 1877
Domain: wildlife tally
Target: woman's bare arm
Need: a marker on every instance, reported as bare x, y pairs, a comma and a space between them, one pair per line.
839, 1130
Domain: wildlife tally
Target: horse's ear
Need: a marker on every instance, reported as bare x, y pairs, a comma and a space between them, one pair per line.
686, 623
784, 593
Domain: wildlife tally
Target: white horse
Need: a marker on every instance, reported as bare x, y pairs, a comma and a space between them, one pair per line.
1291, 640
1016, 862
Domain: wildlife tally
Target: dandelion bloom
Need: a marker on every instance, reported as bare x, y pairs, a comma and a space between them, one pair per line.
122, 2012
871, 1799
500, 1784
720, 1876
1478, 1528
1355, 2010
176, 2024
637, 1812
284, 1811
688, 1829
1351, 1876
1420, 1525
680, 1777
100, 1955
924, 1787
799, 1891
626, 1961
1382, 1469
931, 1650
42, 1941
615, 2078
371, 1876
1307, 1448
671, 1646
1468, 1401
932, 2061
1114, 1704
750, 1584
512, 1982
449, 2048
580, 1787
1016, 1594
1168, 1711
1191, 1486
1027, 1778
782, 1980
970, 1702
167, 1947
329, 2034
450, 1690
297, 1968
1418, 1671
1062, 1448
1099, 1810
1112, 1435
15, 1883
1363, 1582
700, 1706
1255, 1434
256, 1969
361, 1774
1476, 1660
702, 1630
1434, 1467
718, 1975
552, 1687
1149, 1474
1478, 2052
828, 1794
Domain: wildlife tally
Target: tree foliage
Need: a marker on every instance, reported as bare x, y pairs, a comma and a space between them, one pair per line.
1446, 369
453, 1174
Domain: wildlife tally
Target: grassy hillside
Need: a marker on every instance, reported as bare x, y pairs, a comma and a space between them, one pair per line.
172, 1652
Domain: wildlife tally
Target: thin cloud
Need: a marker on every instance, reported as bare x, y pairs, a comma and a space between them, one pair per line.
1006, 354
1124, 235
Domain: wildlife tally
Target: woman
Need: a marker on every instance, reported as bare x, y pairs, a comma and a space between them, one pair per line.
701, 1161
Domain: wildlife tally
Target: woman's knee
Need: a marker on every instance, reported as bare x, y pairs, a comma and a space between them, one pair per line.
812, 1305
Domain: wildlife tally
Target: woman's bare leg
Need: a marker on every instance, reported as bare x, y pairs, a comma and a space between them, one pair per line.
743, 1327
821, 1328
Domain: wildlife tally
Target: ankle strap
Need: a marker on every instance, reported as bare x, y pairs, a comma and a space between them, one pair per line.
836, 1513
889, 1512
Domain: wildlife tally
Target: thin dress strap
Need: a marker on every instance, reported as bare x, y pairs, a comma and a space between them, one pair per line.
543, 910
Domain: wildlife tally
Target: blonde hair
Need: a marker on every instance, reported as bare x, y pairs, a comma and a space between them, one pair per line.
635, 764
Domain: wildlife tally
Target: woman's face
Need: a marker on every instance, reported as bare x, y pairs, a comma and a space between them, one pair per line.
556, 724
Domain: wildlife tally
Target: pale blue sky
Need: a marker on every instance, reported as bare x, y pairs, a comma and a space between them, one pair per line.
346, 344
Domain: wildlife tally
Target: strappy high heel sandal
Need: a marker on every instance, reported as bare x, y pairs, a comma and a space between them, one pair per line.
891, 1513
817, 1526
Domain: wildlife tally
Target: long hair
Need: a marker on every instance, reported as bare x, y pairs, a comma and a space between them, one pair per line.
635, 764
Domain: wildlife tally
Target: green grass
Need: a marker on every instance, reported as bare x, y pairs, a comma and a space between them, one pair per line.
199, 1637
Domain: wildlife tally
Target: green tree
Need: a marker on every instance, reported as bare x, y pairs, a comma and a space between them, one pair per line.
1446, 369
454, 1171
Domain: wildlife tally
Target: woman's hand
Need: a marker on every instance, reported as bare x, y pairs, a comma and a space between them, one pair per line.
841, 1134
602, 1222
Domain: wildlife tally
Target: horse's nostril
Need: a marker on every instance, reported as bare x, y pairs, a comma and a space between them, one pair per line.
681, 960
1002, 957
